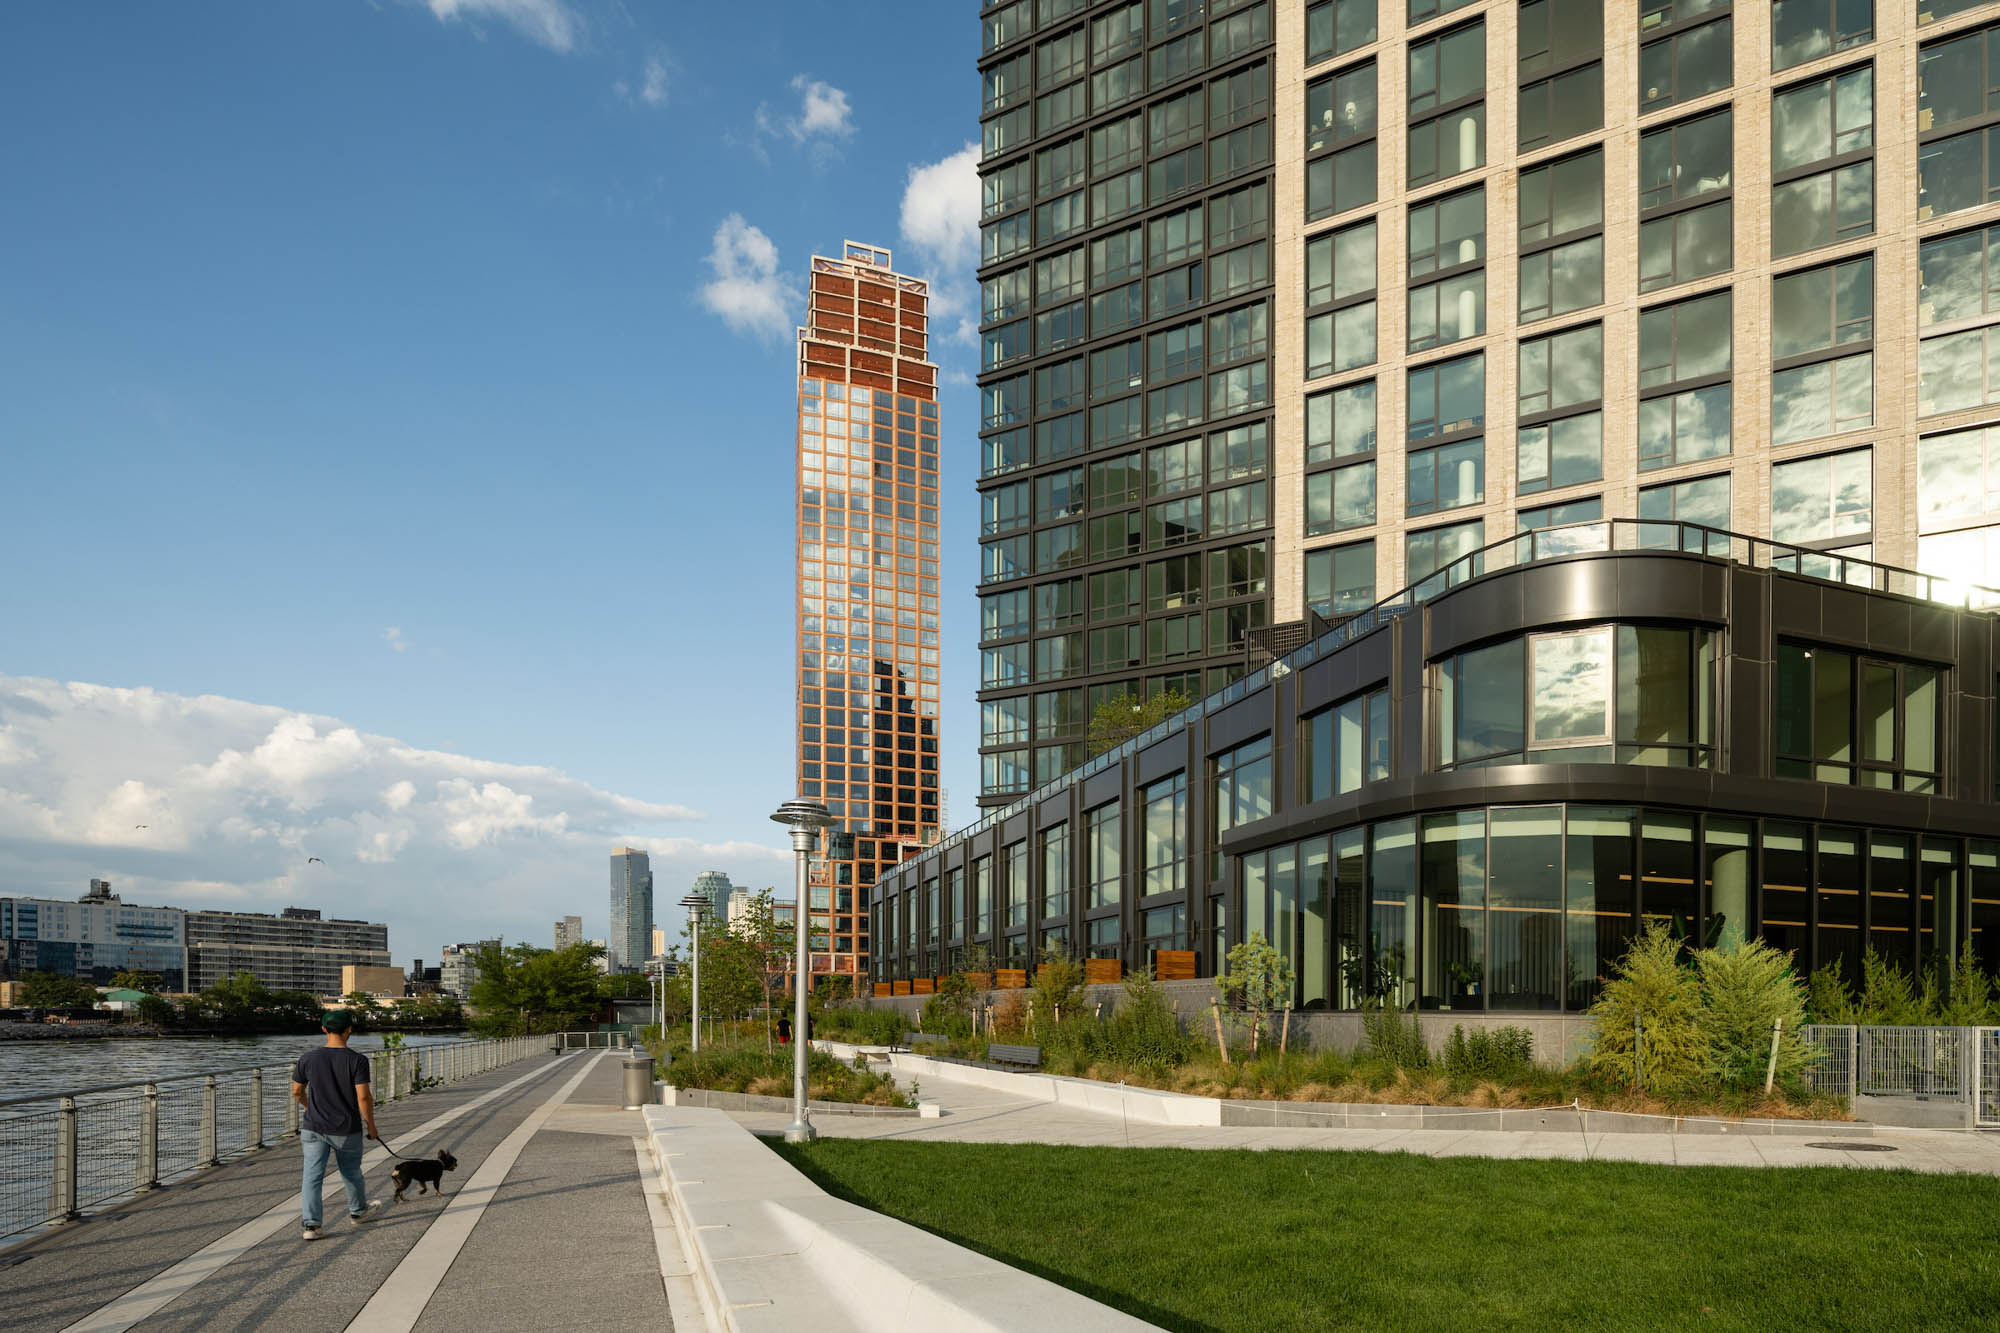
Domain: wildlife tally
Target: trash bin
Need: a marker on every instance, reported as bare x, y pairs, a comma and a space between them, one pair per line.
638, 1082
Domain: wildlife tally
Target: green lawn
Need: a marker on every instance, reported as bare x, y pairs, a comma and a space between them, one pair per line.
1265, 1241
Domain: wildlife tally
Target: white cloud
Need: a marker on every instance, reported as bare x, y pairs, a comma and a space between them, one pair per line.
235, 796
748, 290
941, 221
394, 638
655, 83
550, 23
823, 114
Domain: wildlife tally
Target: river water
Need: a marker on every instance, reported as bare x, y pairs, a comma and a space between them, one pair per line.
51, 1068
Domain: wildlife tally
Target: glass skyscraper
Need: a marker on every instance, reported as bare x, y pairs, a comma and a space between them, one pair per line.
631, 938
1287, 304
868, 652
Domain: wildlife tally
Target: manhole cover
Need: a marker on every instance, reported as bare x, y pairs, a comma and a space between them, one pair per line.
1854, 1146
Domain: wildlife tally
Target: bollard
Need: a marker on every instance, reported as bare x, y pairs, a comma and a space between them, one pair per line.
147, 1176
62, 1186
638, 1083
253, 1134
206, 1155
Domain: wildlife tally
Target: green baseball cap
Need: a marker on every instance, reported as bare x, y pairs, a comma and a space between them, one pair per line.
337, 1020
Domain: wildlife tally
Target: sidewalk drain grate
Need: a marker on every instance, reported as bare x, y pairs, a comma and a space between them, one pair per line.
1840, 1146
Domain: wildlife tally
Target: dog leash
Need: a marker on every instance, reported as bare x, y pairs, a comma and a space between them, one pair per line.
393, 1153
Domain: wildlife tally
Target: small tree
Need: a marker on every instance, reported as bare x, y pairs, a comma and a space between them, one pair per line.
1656, 994
136, 979
771, 945
1258, 981
1747, 987
1971, 1002
362, 1005
157, 1010
1058, 987
52, 990
1123, 716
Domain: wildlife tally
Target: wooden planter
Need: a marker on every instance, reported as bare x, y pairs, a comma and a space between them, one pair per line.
1011, 978
1173, 964
883, 988
923, 986
1102, 971
901, 988
980, 980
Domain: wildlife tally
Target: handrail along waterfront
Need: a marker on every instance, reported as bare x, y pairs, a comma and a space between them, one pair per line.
92, 1146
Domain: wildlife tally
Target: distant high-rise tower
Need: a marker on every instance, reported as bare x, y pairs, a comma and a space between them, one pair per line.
631, 909
868, 584
569, 931
714, 886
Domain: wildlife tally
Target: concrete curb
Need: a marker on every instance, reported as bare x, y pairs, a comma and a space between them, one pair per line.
772, 1251
1151, 1106
755, 1101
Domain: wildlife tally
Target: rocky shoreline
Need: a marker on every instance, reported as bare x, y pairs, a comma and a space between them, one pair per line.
74, 1032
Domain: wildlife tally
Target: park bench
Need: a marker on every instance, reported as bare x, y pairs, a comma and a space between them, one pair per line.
1031, 1056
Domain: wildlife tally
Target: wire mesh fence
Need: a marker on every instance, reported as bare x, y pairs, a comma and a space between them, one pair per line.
1833, 1071
60, 1155
1929, 1062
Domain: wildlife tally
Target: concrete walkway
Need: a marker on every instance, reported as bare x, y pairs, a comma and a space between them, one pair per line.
546, 1223
979, 1115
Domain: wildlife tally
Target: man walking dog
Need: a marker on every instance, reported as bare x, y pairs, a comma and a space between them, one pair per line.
331, 1083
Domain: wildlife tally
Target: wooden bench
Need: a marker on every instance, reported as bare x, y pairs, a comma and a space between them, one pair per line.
915, 1039
1031, 1056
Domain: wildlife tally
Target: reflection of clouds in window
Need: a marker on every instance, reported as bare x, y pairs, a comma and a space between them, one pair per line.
1572, 686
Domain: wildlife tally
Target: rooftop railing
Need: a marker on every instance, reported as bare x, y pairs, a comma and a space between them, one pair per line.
1600, 537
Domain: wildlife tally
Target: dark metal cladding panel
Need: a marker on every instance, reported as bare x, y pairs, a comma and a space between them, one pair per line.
1843, 614
1164, 757
1466, 615
1935, 632
1571, 592
1888, 626
1747, 737
1748, 610
1101, 787
1246, 719
1795, 607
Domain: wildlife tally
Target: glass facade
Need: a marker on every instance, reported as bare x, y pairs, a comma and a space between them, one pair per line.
868, 667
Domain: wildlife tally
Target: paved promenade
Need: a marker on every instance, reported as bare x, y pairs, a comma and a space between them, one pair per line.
547, 1223
979, 1115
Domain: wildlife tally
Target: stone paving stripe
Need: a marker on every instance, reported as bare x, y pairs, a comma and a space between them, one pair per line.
676, 1273
164, 1288
399, 1302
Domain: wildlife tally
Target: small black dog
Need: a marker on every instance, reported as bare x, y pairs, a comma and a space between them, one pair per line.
427, 1171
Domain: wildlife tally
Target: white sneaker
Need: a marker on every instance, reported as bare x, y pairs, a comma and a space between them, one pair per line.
308, 1233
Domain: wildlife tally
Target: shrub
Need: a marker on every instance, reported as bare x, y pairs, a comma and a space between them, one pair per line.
1746, 987
863, 1027
1058, 990
1397, 1038
1489, 1054
1972, 1000
1144, 1035
1010, 1015
1658, 994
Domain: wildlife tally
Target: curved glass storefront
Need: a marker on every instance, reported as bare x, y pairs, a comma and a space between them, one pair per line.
1527, 907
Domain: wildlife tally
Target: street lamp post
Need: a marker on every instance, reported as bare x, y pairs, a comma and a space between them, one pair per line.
805, 819
696, 904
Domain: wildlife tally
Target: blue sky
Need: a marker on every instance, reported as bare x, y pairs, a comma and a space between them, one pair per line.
424, 369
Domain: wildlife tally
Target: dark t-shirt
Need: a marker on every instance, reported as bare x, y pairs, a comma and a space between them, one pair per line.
331, 1073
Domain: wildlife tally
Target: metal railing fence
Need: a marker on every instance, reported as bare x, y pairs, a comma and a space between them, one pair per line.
61, 1155
1933, 1064
594, 1041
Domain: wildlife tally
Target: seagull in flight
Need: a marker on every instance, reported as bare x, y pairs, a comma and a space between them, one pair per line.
311, 859
142, 826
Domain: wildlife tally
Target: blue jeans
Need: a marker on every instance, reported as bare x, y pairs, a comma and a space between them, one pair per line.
346, 1150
